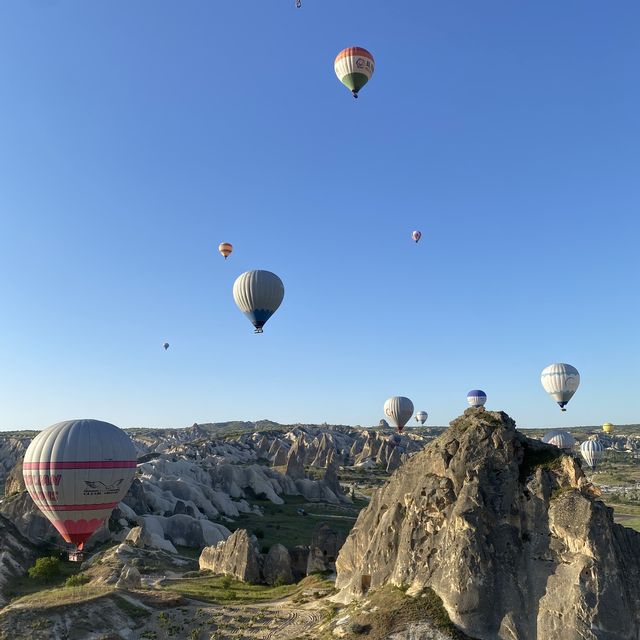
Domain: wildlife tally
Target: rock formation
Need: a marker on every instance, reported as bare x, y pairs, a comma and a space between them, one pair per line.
237, 556
17, 554
129, 578
295, 462
276, 568
324, 548
507, 531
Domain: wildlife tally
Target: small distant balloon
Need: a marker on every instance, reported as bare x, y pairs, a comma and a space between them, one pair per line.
225, 248
561, 439
607, 427
165, 345
421, 417
383, 424
354, 67
416, 235
400, 410
476, 398
560, 381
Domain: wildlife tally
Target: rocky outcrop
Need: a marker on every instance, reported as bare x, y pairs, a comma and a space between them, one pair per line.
129, 578
276, 568
299, 559
323, 551
237, 556
330, 478
17, 554
295, 462
507, 531
14, 482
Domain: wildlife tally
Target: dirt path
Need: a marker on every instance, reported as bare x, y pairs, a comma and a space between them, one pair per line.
281, 620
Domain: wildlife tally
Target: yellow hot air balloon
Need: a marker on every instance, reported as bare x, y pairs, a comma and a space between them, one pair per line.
225, 249
607, 427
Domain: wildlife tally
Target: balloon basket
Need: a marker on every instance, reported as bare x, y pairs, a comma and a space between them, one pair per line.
76, 556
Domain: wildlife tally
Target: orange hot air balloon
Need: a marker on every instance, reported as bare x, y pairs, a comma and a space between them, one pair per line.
225, 249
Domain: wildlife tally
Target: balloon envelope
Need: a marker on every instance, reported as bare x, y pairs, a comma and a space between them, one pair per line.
400, 410
607, 427
258, 294
476, 398
354, 67
592, 451
560, 439
225, 248
77, 472
165, 345
416, 235
560, 381
421, 417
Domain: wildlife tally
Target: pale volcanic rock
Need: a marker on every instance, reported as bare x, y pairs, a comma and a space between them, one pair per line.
276, 567
504, 530
17, 554
295, 462
324, 548
237, 557
129, 578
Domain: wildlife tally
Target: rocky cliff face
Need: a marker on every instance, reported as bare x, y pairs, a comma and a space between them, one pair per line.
16, 555
507, 531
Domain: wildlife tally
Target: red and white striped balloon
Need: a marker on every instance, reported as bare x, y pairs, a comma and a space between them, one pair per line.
77, 472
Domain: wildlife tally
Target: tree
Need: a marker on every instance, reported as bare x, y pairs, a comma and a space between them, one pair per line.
45, 569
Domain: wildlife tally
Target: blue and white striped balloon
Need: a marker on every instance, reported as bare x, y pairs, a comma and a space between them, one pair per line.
476, 398
592, 451
560, 439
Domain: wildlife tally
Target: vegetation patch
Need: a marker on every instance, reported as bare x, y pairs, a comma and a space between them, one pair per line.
389, 611
536, 457
223, 589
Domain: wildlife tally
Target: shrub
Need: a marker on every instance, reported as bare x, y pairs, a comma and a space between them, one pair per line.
45, 569
225, 583
77, 580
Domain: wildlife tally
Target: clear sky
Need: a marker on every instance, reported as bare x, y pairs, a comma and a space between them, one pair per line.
136, 136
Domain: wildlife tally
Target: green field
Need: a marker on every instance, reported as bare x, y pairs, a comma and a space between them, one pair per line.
282, 523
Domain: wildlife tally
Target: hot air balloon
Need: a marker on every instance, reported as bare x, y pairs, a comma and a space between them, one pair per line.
77, 472
354, 68
561, 439
400, 410
560, 381
416, 235
165, 345
258, 294
607, 427
421, 417
383, 424
225, 249
592, 451
476, 398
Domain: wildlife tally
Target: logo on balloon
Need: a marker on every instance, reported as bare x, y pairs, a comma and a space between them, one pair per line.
98, 488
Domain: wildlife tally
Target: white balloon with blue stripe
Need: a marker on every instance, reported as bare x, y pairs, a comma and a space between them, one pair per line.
592, 451
258, 294
560, 381
476, 398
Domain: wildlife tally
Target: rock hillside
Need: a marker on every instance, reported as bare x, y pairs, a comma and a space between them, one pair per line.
506, 531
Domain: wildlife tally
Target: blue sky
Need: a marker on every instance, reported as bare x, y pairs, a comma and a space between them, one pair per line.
136, 136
